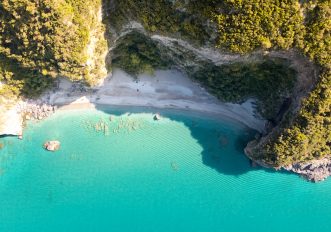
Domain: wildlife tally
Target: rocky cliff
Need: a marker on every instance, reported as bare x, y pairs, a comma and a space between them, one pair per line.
276, 53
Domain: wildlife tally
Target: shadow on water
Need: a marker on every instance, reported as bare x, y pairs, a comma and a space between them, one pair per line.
222, 142
6, 136
222, 150
226, 157
219, 153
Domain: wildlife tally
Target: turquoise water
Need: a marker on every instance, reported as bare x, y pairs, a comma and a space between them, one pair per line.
183, 173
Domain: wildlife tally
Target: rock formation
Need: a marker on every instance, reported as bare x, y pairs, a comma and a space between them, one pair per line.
157, 117
52, 145
316, 170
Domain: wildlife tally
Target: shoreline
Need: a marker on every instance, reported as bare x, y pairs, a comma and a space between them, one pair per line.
166, 89
153, 110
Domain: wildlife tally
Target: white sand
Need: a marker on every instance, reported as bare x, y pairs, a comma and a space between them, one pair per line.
166, 89
10, 121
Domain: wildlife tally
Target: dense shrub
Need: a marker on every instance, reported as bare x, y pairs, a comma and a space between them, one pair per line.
40, 40
136, 54
47, 38
268, 81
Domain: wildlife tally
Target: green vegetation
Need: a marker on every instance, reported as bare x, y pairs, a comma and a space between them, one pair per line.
308, 136
268, 81
250, 24
317, 40
244, 26
21, 80
247, 25
136, 54
40, 40
160, 16
305, 135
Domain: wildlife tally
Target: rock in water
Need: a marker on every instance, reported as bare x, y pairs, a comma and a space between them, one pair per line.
157, 117
111, 118
52, 145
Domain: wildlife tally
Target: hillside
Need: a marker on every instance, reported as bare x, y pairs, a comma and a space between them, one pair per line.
236, 49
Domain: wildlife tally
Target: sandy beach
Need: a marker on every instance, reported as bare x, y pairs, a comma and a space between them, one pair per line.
164, 89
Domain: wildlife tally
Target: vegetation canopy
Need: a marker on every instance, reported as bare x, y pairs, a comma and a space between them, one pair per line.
41, 40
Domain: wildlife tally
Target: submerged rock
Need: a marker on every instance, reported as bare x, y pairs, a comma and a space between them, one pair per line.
253, 164
223, 140
111, 118
52, 145
174, 166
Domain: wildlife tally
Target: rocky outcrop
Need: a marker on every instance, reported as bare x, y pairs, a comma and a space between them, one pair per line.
316, 170
157, 117
36, 111
12, 118
52, 145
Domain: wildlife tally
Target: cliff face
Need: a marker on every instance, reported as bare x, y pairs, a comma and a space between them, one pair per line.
237, 51
203, 62
188, 32
42, 40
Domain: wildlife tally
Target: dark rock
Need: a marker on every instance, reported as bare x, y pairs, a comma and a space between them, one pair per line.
157, 117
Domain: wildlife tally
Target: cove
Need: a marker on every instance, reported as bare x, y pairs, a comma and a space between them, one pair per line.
186, 172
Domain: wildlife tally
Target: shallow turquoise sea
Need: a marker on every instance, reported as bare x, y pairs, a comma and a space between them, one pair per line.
186, 172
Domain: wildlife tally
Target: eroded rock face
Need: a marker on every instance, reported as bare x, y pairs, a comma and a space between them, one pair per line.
35, 111
52, 145
316, 170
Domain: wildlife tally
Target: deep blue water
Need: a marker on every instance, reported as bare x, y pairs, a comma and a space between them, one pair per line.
183, 173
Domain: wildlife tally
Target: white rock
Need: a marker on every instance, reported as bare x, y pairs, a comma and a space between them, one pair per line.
52, 145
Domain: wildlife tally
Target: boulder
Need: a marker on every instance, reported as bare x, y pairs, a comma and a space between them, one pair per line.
52, 145
157, 117
111, 118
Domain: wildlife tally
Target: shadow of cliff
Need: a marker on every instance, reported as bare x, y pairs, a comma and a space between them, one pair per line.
222, 143
222, 148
